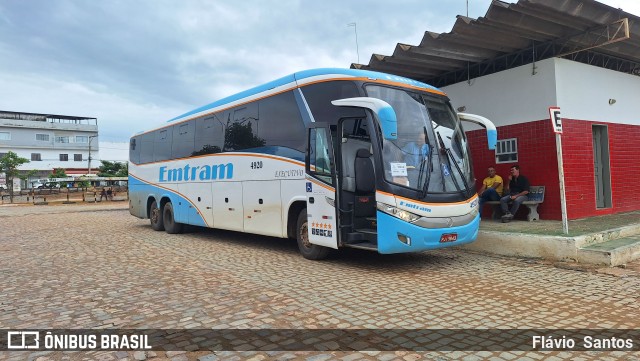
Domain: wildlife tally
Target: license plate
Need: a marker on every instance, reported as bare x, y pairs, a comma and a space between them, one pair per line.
449, 237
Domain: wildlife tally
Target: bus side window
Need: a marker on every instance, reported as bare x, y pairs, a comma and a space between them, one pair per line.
209, 137
183, 139
162, 144
242, 129
319, 156
320, 95
145, 144
281, 124
134, 151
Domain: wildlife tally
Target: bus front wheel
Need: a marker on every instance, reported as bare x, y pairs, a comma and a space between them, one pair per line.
155, 216
308, 250
170, 224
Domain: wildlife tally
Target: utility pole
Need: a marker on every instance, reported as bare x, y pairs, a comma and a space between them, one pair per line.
355, 28
90, 139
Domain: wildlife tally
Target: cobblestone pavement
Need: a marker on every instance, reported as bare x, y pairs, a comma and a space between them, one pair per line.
83, 267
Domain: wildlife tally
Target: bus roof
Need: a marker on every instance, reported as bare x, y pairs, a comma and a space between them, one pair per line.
313, 73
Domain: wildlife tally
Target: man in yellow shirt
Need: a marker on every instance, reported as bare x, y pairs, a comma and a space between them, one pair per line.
491, 187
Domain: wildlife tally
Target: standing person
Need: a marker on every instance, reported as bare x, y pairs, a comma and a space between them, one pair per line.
103, 194
109, 194
491, 187
517, 191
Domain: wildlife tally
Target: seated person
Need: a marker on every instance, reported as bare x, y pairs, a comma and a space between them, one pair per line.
416, 151
517, 193
491, 187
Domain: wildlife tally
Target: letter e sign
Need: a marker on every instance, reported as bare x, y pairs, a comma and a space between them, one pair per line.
556, 120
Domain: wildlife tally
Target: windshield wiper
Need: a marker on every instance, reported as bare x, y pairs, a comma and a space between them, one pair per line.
425, 186
450, 158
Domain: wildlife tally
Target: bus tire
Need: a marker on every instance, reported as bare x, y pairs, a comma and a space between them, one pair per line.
155, 216
170, 224
308, 250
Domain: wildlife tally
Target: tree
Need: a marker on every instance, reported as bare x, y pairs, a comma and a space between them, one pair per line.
240, 136
207, 149
58, 173
9, 166
113, 169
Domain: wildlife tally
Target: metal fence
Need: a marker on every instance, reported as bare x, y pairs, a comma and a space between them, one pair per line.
66, 195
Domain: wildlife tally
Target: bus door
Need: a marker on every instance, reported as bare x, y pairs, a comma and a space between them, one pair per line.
320, 187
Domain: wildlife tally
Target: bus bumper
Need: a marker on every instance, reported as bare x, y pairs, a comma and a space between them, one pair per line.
398, 236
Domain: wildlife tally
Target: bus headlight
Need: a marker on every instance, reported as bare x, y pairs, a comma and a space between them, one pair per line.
474, 212
398, 213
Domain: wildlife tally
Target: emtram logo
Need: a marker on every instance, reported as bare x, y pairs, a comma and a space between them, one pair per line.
194, 173
23, 340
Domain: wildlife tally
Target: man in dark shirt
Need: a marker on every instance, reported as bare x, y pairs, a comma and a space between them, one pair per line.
517, 193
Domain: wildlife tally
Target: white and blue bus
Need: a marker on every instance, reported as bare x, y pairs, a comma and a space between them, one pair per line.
322, 156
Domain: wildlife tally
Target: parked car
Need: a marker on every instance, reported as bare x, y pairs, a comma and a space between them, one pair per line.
47, 185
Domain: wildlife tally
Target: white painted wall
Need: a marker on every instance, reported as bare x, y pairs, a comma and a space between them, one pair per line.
584, 92
581, 91
51, 159
508, 97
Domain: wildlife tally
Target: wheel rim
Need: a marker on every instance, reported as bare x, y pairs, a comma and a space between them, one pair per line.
304, 235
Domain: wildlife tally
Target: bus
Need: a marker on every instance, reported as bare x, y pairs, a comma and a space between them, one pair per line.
319, 156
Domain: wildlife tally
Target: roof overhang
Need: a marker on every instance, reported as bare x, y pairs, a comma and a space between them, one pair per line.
511, 35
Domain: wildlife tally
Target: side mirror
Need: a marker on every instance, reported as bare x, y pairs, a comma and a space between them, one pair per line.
384, 113
492, 132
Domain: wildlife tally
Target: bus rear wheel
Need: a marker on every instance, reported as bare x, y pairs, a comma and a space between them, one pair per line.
170, 224
308, 250
155, 216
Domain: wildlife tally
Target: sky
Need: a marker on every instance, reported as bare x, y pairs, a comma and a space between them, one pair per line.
136, 64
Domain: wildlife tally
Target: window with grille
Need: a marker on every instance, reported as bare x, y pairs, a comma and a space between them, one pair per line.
82, 139
42, 137
36, 156
64, 139
77, 157
64, 157
5, 136
507, 151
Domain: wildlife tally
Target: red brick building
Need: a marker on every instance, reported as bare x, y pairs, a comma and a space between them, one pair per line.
600, 140
520, 59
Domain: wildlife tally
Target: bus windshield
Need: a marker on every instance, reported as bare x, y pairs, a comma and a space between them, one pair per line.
431, 153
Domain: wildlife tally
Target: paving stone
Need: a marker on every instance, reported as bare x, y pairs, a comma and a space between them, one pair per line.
106, 268
352, 357
319, 357
210, 357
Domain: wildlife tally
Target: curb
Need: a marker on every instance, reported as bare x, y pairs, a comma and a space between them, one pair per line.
554, 248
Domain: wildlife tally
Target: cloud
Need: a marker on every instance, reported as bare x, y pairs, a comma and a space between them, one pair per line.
134, 65
118, 117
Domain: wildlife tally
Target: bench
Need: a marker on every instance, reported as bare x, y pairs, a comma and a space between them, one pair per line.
536, 196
